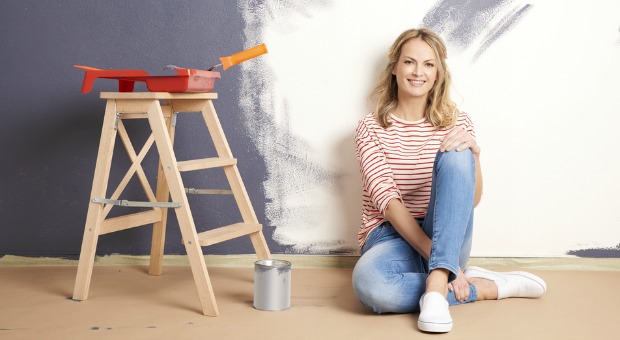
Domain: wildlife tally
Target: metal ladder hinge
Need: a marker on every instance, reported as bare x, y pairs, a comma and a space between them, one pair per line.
126, 203
118, 117
208, 191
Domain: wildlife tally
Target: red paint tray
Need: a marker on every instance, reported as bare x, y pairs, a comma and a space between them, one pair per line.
167, 80
171, 78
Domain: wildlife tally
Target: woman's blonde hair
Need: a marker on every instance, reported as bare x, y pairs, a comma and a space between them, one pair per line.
440, 110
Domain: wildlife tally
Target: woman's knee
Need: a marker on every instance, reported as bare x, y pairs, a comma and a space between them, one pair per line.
372, 291
462, 161
370, 284
385, 292
385, 280
456, 157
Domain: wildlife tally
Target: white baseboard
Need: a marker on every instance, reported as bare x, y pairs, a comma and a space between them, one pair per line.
320, 261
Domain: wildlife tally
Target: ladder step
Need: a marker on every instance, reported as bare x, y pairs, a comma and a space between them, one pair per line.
222, 234
205, 163
128, 221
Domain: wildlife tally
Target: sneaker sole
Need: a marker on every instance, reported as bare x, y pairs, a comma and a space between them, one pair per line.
433, 327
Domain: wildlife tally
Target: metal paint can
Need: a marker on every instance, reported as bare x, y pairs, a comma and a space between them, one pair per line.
272, 285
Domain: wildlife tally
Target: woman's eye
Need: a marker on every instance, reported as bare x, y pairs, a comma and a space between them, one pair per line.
430, 65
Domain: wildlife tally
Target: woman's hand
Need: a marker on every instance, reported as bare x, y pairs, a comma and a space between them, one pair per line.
458, 138
460, 286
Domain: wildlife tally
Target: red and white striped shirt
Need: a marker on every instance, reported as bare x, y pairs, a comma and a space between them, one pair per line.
397, 162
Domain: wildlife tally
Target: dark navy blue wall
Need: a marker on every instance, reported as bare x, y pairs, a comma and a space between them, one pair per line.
49, 132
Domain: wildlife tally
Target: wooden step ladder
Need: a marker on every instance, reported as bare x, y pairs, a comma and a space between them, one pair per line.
160, 108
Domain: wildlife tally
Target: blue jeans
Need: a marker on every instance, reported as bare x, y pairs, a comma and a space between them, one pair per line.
390, 276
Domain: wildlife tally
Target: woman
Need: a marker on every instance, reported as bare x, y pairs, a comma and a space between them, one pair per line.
420, 166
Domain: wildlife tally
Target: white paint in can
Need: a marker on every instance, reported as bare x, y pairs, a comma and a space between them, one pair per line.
272, 285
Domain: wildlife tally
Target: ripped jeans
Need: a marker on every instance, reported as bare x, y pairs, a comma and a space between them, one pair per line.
390, 276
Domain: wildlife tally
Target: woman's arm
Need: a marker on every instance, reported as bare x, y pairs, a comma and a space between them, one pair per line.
408, 227
378, 182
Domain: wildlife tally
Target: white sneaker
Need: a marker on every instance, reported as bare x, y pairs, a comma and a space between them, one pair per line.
434, 314
511, 284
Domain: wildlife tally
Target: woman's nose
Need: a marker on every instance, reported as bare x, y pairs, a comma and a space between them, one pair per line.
415, 69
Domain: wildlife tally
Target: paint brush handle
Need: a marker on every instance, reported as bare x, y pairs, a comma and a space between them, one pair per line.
242, 56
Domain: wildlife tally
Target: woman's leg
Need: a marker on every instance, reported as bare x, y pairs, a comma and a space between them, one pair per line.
448, 223
449, 218
390, 276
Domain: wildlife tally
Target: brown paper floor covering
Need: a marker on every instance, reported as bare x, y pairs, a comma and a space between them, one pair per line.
126, 303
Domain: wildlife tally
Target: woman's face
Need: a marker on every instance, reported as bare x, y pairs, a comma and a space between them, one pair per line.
415, 70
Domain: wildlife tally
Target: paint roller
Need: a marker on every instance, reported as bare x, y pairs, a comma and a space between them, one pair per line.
237, 58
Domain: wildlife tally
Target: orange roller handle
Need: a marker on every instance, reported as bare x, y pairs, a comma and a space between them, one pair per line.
87, 68
242, 56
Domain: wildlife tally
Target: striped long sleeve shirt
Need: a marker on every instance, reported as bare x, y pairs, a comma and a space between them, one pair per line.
397, 163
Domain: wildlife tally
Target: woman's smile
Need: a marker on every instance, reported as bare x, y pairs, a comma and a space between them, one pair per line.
416, 82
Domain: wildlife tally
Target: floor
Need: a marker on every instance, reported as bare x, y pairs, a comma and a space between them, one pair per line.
126, 303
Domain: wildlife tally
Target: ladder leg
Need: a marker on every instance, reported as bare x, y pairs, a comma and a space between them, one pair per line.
162, 195
260, 245
184, 216
94, 215
247, 212
234, 179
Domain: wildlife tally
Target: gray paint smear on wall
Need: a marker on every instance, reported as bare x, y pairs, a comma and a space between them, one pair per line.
290, 172
466, 24
597, 252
